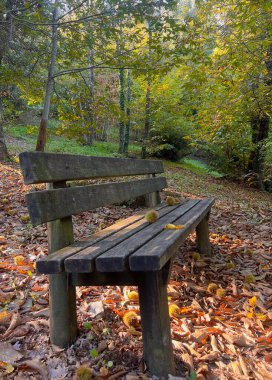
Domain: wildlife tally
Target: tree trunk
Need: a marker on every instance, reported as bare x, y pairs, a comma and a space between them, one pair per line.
3, 148
91, 135
5, 36
122, 110
147, 98
260, 131
147, 118
127, 126
41, 141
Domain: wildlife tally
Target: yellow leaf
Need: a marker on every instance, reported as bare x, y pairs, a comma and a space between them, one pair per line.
252, 301
19, 260
173, 226
173, 309
261, 317
250, 315
5, 317
133, 296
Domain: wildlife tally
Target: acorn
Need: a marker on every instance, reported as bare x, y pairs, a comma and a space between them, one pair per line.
151, 216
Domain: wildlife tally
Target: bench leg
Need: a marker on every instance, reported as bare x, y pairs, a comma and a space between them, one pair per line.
62, 300
157, 344
202, 236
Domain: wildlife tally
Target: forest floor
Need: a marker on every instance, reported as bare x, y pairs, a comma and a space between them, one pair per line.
223, 335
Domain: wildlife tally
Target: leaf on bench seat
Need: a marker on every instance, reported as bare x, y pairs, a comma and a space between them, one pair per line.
174, 227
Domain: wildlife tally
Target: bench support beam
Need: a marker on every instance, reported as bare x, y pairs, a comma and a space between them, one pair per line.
202, 236
62, 294
157, 344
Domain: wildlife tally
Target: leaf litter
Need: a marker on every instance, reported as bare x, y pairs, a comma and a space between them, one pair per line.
216, 335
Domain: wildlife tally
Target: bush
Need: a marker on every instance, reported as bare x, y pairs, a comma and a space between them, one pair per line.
229, 150
171, 143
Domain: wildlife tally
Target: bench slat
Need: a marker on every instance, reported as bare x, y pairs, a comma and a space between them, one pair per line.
39, 167
83, 261
54, 263
154, 255
45, 206
116, 259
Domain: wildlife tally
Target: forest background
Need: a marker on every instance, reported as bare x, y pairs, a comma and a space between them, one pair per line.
159, 78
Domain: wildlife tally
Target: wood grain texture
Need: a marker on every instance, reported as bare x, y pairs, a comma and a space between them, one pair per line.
41, 167
83, 262
116, 259
54, 263
156, 253
45, 206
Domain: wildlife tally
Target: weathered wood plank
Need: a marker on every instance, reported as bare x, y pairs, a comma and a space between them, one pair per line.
62, 294
105, 279
157, 344
153, 255
45, 206
202, 236
116, 259
41, 167
54, 263
152, 199
83, 261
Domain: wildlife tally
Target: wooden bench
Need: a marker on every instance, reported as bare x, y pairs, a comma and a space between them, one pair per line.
130, 252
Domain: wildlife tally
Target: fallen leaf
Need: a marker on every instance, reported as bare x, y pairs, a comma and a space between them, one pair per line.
8, 354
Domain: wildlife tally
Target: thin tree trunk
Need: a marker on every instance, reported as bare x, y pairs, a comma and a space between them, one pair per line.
147, 118
92, 120
3, 147
122, 110
5, 36
41, 141
128, 121
147, 99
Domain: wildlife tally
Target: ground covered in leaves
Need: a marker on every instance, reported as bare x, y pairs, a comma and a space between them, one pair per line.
220, 306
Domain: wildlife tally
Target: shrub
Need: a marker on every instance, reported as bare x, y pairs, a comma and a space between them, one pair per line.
171, 143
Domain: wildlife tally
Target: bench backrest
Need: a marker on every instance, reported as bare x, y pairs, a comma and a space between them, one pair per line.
60, 201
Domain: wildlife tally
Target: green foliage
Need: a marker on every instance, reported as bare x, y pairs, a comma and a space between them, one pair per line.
94, 353
168, 143
228, 150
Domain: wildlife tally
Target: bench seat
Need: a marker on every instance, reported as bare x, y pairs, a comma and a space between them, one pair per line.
130, 245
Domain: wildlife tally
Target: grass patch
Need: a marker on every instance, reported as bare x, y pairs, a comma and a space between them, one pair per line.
62, 144
194, 166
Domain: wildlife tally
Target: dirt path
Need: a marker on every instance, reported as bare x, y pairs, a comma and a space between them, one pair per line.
216, 336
